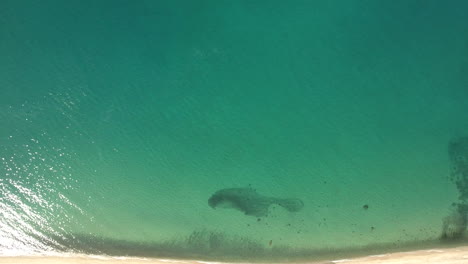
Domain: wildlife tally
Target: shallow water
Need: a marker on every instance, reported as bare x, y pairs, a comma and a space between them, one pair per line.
120, 119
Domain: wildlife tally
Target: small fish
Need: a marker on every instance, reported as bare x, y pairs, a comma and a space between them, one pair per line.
248, 201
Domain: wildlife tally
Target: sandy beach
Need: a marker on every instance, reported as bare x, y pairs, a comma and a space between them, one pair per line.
456, 255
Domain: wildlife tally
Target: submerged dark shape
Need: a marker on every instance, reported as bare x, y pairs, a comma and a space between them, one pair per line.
455, 225
247, 200
458, 154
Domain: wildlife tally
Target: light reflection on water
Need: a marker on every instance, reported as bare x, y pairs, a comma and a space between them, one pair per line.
34, 205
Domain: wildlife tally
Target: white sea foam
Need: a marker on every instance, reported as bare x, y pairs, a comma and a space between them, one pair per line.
341, 260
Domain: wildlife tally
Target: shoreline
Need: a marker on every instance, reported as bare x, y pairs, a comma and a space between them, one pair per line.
199, 245
454, 255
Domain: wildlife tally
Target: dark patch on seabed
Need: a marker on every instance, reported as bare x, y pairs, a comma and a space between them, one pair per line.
218, 246
454, 225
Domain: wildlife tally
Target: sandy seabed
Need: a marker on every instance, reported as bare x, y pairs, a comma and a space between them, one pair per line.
457, 255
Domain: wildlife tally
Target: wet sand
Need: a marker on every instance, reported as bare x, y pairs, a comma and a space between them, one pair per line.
457, 255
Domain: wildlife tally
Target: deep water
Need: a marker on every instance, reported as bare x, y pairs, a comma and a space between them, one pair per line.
120, 119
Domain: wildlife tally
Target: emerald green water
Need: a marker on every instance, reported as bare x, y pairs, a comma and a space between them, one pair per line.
119, 120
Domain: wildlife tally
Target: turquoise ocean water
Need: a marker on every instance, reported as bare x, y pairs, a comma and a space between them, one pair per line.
120, 119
